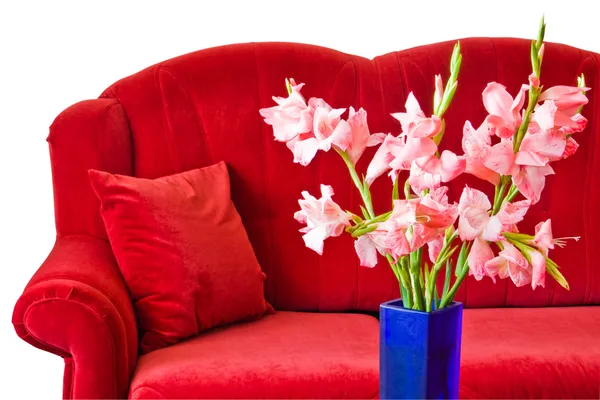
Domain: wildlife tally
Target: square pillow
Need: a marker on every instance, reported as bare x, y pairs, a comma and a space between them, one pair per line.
183, 252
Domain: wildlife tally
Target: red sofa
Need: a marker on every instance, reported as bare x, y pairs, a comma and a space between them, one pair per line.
197, 109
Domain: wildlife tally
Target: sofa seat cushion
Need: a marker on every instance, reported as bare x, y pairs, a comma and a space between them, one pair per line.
284, 355
531, 353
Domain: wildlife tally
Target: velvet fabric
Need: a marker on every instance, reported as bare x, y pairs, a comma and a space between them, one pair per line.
285, 355
183, 252
194, 110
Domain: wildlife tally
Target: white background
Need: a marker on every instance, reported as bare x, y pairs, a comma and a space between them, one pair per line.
55, 53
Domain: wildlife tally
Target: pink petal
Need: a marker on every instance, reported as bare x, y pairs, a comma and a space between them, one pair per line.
501, 158
544, 115
538, 264
366, 251
480, 254
341, 135
497, 101
511, 254
477, 168
517, 105
513, 213
525, 157
434, 247
492, 229
382, 158
543, 236
570, 148
473, 197
420, 180
519, 276
531, 181
304, 150
314, 239
497, 266
375, 139
549, 145
426, 127
451, 165
413, 148
439, 90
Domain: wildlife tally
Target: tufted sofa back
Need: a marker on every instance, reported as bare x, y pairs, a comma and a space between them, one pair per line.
197, 109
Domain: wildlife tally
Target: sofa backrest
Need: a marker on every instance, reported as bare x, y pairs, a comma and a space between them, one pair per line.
197, 109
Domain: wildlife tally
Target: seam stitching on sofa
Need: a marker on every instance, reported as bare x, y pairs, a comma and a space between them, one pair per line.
198, 117
113, 347
270, 217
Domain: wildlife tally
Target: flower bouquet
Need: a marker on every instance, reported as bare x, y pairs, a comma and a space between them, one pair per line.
425, 233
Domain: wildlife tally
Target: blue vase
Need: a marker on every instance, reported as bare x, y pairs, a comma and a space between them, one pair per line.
419, 352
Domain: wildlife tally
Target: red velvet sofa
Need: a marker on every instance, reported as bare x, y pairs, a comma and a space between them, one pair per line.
197, 109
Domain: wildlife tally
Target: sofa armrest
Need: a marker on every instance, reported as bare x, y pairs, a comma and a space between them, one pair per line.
77, 306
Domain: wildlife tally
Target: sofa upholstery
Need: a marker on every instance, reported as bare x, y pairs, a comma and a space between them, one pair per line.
200, 108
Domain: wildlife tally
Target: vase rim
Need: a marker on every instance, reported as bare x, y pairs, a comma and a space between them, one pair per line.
396, 304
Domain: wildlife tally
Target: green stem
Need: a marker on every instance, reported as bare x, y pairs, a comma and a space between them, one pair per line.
362, 188
499, 196
449, 297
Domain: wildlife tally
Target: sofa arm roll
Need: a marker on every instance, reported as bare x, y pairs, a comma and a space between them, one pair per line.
77, 306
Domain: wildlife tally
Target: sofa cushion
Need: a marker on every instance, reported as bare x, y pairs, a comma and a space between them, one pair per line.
288, 354
183, 252
530, 353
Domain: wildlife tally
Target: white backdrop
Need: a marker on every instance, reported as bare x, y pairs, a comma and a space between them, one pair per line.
55, 53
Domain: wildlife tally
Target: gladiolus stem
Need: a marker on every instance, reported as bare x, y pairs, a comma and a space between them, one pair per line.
365, 193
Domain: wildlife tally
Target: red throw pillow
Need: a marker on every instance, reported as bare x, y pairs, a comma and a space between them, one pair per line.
183, 252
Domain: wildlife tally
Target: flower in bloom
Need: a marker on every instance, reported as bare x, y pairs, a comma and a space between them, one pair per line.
360, 138
390, 236
414, 122
476, 145
290, 117
430, 171
543, 239
530, 165
323, 217
476, 224
509, 262
567, 100
504, 112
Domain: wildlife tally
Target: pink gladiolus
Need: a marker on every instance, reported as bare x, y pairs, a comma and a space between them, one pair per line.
329, 129
414, 122
428, 172
568, 99
505, 112
475, 220
323, 217
397, 153
438, 95
480, 254
548, 116
509, 262
434, 247
544, 240
434, 214
390, 236
290, 117
570, 148
360, 138
511, 214
476, 144
529, 166
538, 268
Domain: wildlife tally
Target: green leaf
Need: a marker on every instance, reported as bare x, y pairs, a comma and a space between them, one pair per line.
447, 278
462, 258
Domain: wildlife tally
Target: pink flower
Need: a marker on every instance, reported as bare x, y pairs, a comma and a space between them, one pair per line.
390, 236
543, 239
505, 113
529, 166
570, 148
538, 268
511, 214
397, 153
438, 95
329, 129
509, 262
323, 217
480, 254
475, 220
290, 117
547, 116
429, 171
414, 122
567, 99
434, 214
476, 144
360, 138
